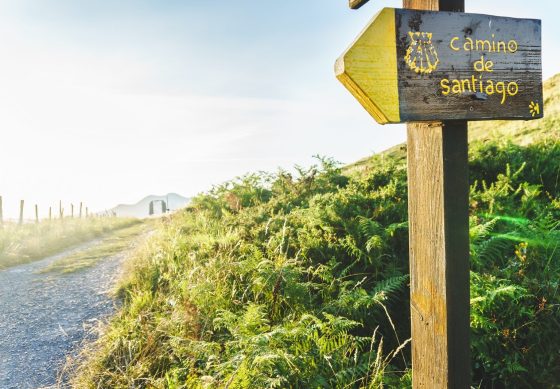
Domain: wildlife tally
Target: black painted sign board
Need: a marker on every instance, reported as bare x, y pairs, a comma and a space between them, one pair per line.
411, 65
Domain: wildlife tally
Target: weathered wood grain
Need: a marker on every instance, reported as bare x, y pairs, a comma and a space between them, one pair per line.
355, 4
436, 5
439, 254
439, 245
449, 66
422, 96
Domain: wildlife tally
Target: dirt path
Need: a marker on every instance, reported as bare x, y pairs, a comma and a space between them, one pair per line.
44, 317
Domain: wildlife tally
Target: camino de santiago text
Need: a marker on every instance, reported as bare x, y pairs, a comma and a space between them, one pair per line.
481, 81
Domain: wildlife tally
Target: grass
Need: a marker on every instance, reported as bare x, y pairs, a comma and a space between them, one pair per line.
303, 283
29, 242
117, 241
278, 280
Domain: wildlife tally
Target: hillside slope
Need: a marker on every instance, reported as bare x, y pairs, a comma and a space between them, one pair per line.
525, 132
520, 132
276, 281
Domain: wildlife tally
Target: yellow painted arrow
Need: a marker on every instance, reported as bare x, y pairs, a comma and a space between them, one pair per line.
368, 69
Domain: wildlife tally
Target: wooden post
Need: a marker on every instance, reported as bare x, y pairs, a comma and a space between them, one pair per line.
72, 211
21, 203
60, 210
87, 212
36, 213
1, 212
438, 192
399, 68
50, 213
81, 206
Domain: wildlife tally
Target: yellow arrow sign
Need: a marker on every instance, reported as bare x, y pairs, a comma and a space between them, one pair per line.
368, 69
411, 65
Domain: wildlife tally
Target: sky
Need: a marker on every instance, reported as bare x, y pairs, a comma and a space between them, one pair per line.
106, 101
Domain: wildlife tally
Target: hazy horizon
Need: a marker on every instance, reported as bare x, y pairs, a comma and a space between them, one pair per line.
107, 103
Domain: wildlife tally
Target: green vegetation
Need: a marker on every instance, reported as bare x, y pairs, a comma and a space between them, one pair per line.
30, 242
278, 282
118, 241
282, 281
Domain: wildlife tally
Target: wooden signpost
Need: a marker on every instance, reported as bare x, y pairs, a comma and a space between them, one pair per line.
411, 65
436, 70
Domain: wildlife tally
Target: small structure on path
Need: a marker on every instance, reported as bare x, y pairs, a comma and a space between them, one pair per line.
153, 210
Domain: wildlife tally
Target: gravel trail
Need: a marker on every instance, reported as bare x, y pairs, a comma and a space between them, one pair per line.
45, 317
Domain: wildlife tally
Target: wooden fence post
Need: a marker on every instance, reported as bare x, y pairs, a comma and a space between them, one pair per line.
438, 192
36, 213
60, 210
50, 213
21, 203
81, 205
87, 212
72, 211
1, 212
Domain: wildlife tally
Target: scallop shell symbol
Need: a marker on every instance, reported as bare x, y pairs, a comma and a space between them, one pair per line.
421, 55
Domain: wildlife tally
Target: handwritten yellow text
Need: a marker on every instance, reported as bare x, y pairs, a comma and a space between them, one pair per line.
487, 45
476, 84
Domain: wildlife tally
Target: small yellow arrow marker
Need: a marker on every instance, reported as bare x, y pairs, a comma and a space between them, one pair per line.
534, 108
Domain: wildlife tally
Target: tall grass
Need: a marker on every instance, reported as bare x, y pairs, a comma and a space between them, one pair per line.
28, 242
302, 282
